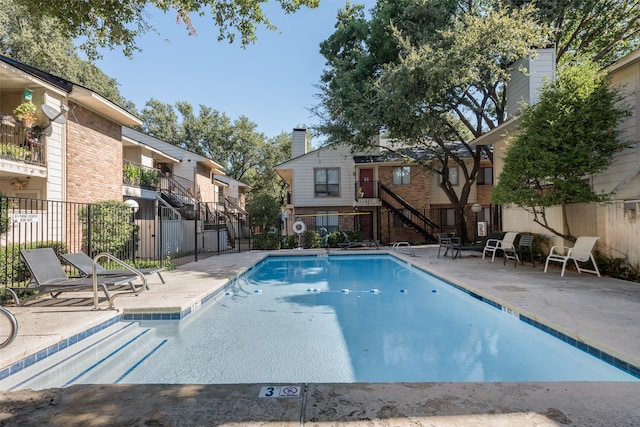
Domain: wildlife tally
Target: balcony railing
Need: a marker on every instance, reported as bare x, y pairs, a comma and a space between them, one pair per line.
367, 190
136, 175
20, 144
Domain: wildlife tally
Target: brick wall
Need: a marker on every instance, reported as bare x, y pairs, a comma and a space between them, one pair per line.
94, 157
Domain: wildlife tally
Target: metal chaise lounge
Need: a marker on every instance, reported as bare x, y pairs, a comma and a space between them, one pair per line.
349, 244
83, 263
48, 276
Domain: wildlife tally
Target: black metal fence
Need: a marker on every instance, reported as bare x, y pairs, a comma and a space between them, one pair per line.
157, 235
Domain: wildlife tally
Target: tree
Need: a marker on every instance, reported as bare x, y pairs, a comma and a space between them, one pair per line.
604, 30
568, 136
38, 43
430, 75
245, 154
434, 74
119, 23
265, 211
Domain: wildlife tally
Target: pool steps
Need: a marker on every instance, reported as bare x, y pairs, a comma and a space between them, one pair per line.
77, 363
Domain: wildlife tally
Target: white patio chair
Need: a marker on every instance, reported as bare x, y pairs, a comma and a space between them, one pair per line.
493, 245
580, 252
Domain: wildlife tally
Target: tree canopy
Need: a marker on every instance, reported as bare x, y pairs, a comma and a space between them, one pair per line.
569, 135
427, 74
434, 74
119, 23
38, 43
246, 154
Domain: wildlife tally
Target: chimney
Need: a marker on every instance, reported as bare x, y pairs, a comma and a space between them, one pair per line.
525, 87
298, 142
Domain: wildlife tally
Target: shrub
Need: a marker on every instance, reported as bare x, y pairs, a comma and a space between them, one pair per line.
618, 268
15, 271
266, 241
4, 214
109, 228
310, 239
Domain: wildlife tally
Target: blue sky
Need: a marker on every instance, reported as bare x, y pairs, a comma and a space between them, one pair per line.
271, 82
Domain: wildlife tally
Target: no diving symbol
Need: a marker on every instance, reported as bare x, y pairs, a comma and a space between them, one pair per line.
290, 391
277, 391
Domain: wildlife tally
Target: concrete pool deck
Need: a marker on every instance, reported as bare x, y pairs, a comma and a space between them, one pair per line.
601, 312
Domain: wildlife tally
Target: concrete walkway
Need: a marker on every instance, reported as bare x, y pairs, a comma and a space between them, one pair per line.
601, 312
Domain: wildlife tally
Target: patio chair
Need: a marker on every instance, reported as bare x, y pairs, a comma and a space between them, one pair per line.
525, 246
582, 251
349, 244
83, 263
449, 243
494, 235
48, 276
494, 245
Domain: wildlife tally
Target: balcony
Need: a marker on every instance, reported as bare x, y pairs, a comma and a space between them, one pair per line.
140, 181
367, 193
21, 144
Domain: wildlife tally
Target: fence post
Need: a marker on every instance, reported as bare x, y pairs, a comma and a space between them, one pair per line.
195, 228
89, 228
158, 216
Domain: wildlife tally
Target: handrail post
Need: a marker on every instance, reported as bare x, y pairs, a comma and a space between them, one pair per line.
122, 264
14, 327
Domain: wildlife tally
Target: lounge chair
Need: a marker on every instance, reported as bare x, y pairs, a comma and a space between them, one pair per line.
480, 248
83, 263
494, 245
580, 252
349, 244
48, 276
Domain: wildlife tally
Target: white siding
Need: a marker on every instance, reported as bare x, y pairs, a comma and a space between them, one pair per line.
524, 87
303, 177
623, 175
55, 155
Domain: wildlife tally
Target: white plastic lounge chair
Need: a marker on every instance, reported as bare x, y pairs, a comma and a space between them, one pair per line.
48, 276
349, 244
83, 263
580, 252
494, 245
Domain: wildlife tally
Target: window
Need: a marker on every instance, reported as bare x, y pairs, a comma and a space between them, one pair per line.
485, 176
327, 182
327, 220
397, 220
402, 175
447, 217
453, 176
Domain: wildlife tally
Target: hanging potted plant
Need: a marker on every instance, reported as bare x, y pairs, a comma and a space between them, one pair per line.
26, 112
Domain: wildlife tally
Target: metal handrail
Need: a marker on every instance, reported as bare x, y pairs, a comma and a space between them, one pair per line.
14, 327
94, 276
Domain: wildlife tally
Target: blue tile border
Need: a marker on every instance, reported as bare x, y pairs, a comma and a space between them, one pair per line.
53, 349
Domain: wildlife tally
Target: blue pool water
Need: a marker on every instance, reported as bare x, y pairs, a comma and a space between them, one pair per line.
341, 318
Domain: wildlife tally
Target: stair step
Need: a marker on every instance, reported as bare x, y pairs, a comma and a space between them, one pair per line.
114, 348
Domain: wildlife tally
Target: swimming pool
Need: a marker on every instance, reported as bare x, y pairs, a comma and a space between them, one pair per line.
344, 318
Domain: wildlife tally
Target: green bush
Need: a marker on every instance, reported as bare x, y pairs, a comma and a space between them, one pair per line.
310, 239
4, 214
618, 268
266, 241
289, 241
15, 271
335, 237
112, 229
